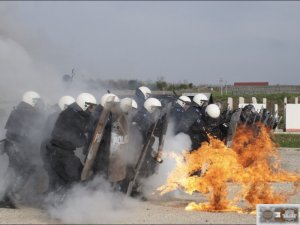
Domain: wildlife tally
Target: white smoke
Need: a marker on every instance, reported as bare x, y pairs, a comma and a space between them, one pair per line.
174, 143
94, 203
22, 67
28, 61
97, 203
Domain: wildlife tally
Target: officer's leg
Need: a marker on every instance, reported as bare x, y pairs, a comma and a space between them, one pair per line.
19, 170
46, 158
73, 168
59, 177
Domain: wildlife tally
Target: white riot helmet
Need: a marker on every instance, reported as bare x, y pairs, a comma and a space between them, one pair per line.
128, 103
151, 104
213, 111
31, 98
84, 100
146, 91
200, 99
65, 101
109, 98
183, 100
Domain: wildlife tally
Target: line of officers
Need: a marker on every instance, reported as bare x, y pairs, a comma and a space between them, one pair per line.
32, 137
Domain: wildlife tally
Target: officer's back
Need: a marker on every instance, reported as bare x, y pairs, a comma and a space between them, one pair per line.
68, 132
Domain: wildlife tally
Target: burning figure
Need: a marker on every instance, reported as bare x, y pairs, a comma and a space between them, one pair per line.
252, 163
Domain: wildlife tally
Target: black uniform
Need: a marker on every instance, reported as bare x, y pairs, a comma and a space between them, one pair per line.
176, 115
268, 119
51, 120
140, 99
216, 127
67, 135
225, 118
193, 124
21, 145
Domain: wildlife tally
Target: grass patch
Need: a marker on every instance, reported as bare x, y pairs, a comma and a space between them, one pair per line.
288, 140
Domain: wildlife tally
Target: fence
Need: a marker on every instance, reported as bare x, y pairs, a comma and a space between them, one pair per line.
263, 90
291, 111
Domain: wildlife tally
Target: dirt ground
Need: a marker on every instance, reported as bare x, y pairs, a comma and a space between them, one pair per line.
162, 210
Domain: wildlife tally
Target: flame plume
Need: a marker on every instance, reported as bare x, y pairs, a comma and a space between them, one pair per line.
253, 163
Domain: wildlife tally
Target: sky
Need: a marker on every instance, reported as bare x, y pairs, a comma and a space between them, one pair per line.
197, 41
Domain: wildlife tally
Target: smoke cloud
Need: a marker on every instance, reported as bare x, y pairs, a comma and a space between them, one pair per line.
29, 60
97, 203
173, 143
22, 67
94, 203
27, 63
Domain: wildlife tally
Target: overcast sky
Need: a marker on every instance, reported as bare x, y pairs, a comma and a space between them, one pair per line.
195, 41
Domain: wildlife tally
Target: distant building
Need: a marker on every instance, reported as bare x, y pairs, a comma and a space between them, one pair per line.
251, 84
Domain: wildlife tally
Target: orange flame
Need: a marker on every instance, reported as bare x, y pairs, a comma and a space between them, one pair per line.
253, 163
